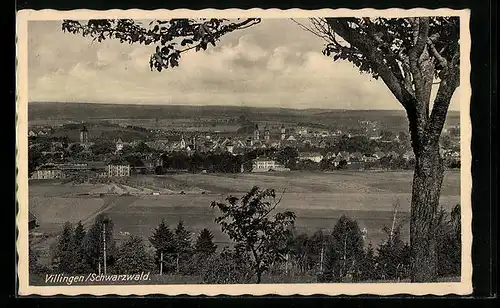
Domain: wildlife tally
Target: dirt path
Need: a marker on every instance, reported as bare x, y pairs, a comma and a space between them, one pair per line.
109, 203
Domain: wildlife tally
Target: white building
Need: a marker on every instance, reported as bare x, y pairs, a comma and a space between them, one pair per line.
118, 170
264, 164
119, 145
315, 157
47, 174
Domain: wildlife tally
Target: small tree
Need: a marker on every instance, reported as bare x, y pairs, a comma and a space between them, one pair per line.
247, 222
35, 268
80, 265
132, 257
288, 156
345, 250
182, 239
369, 269
64, 256
204, 243
204, 248
393, 255
164, 244
93, 242
317, 243
449, 245
183, 247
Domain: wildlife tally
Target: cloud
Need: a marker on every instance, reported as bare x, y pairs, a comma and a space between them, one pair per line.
272, 64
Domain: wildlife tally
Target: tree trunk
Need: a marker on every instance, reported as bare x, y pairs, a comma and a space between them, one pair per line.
259, 276
427, 181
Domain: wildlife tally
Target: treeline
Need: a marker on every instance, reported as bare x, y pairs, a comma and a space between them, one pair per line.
80, 251
264, 244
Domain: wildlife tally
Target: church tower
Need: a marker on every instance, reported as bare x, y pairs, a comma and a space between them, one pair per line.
266, 134
193, 141
84, 134
256, 133
182, 143
283, 132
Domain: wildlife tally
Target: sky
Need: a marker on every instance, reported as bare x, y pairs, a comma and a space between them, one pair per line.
272, 64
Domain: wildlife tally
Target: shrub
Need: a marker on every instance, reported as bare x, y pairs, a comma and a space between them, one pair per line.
228, 267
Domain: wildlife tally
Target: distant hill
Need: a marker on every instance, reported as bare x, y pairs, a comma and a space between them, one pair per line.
47, 111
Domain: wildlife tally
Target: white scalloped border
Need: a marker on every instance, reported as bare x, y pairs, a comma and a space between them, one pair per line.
460, 288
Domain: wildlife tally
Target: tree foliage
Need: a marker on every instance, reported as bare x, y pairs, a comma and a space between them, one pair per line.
345, 250
249, 222
64, 253
164, 243
204, 243
449, 248
227, 267
171, 37
79, 261
182, 239
132, 257
410, 55
93, 242
288, 156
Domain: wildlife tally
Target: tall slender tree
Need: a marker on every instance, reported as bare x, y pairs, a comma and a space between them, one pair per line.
182, 239
64, 255
80, 265
410, 55
163, 242
93, 243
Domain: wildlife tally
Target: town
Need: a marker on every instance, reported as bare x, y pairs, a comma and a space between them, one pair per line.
104, 149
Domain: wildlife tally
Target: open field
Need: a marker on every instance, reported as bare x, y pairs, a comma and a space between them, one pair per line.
318, 199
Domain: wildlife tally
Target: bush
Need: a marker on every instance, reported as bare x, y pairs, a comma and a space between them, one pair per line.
449, 246
228, 267
133, 258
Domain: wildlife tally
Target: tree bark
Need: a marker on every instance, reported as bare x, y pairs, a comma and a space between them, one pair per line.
427, 180
259, 276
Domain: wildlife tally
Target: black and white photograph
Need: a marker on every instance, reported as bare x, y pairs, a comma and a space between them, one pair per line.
233, 152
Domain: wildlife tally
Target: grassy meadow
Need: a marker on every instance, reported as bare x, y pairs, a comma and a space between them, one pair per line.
318, 199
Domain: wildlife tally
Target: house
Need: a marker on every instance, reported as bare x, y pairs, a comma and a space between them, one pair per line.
118, 170
378, 154
367, 158
32, 221
301, 131
264, 164
48, 172
150, 164
343, 154
356, 156
330, 155
160, 145
392, 154
408, 155
323, 144
337, 160
312, 156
